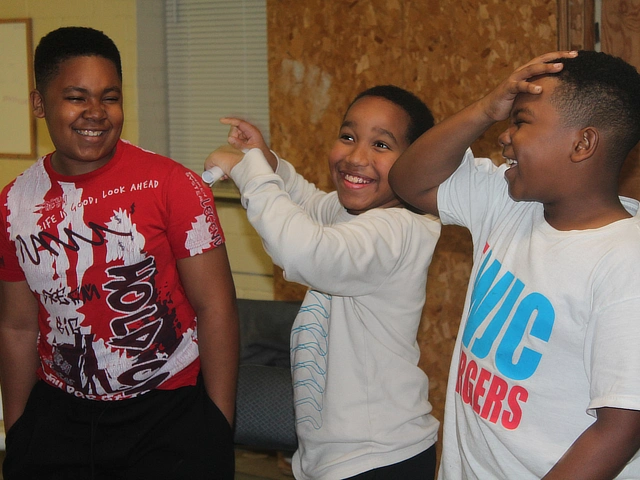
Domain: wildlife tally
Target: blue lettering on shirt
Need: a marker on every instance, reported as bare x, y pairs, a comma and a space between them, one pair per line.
499, 303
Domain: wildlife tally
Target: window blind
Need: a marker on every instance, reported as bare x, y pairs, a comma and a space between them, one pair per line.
217, 67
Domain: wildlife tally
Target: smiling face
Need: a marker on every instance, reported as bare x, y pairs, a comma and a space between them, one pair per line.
537, 146
82, 106
372, 137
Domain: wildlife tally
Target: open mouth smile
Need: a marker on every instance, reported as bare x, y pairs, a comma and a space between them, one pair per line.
89, 133
356, 179
511, 162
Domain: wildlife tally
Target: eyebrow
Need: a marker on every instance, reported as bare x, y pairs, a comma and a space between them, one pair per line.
380, 130
70, 89
523, 110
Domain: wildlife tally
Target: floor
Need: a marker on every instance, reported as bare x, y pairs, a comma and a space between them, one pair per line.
250, 465
255, 465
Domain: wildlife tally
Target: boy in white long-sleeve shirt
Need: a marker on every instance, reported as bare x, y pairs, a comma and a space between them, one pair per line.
361, 400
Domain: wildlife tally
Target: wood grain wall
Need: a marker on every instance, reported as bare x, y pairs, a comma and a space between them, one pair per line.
620, 33
449, 52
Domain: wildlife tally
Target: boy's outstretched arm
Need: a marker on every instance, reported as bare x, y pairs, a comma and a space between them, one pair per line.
19, 359
432, 158
209, 287
603, 449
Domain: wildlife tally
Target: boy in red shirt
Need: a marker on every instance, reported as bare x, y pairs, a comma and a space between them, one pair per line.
115, 360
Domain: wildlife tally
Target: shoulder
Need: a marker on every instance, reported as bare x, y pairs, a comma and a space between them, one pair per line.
140, 155
477, 169
27, 180
401, 222
477, 164
146, 163
627, 231
616, 247
475, 190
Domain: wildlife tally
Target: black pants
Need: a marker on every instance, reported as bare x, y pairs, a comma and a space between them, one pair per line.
168, 434
420, 467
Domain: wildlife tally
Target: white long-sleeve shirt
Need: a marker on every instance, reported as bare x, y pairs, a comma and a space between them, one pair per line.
361, 399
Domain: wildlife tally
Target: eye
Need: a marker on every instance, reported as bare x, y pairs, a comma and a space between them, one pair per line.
346, 137
515, 123
381, 145
74, 99
111, 99
520, 119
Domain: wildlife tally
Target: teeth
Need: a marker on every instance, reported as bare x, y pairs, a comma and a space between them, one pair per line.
90, 133
511, 161
354, 179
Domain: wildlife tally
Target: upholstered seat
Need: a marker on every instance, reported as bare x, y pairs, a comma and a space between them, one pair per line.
264, 412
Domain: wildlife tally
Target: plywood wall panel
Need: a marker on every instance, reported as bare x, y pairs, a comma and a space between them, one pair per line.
620, 31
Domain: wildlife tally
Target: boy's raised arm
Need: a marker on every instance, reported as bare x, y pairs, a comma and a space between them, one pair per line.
432, 158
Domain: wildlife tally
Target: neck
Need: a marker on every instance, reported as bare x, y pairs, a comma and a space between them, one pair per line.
586, 215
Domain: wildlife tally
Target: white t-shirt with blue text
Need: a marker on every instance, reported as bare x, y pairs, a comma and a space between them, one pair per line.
550, 331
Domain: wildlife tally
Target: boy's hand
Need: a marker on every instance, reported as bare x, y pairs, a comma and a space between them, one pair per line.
497, 104
245, 136
226, 157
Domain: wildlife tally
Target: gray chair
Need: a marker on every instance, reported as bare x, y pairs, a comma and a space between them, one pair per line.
264, 408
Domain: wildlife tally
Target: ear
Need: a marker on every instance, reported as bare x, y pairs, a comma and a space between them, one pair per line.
586, 144
37, 103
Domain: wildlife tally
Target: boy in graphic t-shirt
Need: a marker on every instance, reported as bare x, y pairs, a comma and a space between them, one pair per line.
114, 359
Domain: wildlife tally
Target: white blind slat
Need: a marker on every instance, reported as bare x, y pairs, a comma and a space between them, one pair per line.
217, 66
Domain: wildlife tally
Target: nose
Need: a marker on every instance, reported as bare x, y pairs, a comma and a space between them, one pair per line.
95, 110
358, 155
504, 139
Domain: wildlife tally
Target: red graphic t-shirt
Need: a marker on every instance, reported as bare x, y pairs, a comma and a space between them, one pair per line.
99, 251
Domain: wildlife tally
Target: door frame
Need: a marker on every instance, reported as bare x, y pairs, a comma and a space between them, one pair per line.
576, 24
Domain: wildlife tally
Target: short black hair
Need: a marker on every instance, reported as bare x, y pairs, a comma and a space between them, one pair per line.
602, 91
420, 117
70, 42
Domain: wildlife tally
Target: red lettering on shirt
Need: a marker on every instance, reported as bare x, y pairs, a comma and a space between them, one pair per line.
489, 395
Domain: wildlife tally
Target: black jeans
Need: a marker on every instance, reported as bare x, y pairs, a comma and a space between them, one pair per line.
168, 434
420, 467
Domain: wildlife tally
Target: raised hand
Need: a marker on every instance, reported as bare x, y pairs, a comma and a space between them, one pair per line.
245, 136
497, 104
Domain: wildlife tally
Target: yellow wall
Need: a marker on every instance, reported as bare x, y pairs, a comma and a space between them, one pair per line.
116, 18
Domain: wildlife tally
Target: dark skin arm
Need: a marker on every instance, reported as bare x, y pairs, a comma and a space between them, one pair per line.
210, 289
19, 359
603, 449
433, 157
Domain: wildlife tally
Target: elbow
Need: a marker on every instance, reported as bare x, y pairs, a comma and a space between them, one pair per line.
396, 181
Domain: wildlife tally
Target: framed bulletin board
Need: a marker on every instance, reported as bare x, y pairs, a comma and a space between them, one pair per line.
17, 124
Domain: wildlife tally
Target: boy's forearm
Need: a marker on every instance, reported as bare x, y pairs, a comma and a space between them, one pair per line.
603, 450
19, 359
19, 363
208, 282
219, 353
433, 157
